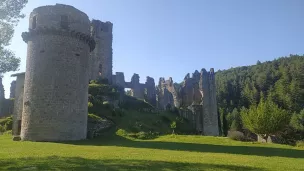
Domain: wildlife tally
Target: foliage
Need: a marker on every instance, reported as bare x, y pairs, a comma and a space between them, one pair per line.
282, 79
132, 103
96, 125
6, 124
10, 14
297, 121
300, 143
103, 90
173, 126
266, 118
234, 120
236, 135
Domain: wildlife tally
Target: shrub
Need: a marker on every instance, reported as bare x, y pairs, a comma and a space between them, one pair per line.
145, 135
300, 144
121, 132
90, 104
7, 124
236, 135
106, 105
2, 129
93, 82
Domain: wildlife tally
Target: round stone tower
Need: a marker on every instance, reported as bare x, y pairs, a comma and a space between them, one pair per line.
55, 104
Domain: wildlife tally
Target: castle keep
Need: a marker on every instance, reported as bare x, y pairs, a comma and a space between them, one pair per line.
56, 79
65, 51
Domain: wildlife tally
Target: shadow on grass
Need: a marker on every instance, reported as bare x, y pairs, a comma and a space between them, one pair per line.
115, 140
77, 163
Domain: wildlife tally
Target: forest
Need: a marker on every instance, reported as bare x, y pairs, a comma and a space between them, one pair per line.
280, 81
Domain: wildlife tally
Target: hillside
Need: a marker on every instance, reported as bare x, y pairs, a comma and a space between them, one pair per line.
282, 79
130, 116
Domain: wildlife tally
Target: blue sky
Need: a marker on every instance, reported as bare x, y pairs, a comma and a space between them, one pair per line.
162, 38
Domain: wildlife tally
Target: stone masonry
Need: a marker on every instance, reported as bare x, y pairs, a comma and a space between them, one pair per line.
12, 89
198, 94
56, 79
196, 99
141, 91
101, 58
18, 103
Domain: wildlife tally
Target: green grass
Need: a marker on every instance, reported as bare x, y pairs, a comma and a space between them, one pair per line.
166, 153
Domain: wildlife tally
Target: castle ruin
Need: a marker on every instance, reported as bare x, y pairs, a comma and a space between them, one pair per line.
65, 51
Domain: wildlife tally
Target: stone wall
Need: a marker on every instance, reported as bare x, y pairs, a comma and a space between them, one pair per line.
18, 103
12, 89
101, 58
167, 95
56, 78
150, 90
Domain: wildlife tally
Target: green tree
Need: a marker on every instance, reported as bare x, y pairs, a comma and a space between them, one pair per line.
265, 119
173, 126
10, 13
297, 121
236, 124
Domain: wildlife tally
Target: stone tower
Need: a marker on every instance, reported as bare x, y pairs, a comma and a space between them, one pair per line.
210, 115
101, 58
56, 80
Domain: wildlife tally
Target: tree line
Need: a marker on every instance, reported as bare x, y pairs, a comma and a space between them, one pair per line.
266, 96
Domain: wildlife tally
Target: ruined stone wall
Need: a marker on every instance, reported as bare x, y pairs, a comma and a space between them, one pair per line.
56, 78
2, 97
137, 89
213, 113
167, 94
101, 58
12, 89
18, 103
151, 92
198, 94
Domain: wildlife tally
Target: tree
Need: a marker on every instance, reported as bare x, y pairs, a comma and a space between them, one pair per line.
297, 121
265, 119
173, 126
10, 14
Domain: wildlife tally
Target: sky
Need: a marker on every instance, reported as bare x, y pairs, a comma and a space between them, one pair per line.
170, 38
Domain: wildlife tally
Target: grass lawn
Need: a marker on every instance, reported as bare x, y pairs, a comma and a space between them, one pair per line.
166, 153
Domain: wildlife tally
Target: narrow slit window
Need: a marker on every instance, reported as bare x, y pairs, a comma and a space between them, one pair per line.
34, 22
64, 22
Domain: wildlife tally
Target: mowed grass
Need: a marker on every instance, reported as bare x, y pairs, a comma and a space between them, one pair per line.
165, 153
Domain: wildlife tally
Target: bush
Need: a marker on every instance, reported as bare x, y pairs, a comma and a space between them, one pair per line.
6, 124
145, 135
300, 144
2, 129
236, 135
121, 132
